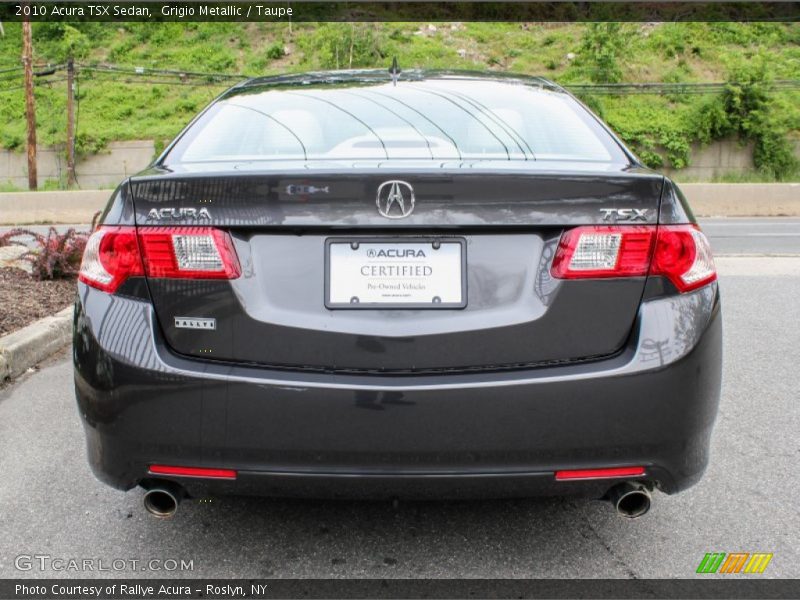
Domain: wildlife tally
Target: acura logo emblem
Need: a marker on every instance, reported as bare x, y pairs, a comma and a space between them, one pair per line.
395, 199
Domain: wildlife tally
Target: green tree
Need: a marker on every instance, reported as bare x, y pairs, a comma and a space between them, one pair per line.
601, 45
59, 41
746, 109
343, 45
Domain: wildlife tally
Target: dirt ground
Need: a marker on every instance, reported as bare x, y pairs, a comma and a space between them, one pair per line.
23, 299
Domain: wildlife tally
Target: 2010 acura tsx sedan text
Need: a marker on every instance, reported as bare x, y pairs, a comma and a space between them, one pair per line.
427, 284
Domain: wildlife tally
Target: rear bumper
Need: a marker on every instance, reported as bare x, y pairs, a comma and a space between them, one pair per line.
312, 434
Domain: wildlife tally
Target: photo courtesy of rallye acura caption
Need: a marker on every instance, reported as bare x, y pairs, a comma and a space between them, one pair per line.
372, 284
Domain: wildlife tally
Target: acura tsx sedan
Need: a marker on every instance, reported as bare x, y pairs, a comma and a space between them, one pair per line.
404, 285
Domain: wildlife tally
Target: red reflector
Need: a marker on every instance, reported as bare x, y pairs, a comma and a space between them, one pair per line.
609, 473
193, 472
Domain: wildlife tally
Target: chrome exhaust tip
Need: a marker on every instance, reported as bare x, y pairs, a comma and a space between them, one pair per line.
162, 500
631, 500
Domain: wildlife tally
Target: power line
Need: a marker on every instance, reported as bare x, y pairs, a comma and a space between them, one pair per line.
47, 82
156, 76
164, 72
159, 82
676, 88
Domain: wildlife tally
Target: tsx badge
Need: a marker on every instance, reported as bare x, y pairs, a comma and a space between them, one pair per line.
624, 214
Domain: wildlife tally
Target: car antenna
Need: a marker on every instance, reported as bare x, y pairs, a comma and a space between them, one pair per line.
394, 71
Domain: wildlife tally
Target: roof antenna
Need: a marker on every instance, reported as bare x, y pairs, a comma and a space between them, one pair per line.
394, 71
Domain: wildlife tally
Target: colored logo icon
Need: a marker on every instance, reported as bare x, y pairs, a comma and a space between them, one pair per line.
734, 562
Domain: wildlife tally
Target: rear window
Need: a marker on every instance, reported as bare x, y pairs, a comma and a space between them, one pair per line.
435, 119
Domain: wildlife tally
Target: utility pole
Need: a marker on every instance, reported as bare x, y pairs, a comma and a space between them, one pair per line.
352, 43
30, 106
70, 123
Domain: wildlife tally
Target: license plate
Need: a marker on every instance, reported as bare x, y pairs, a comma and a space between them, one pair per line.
395, 274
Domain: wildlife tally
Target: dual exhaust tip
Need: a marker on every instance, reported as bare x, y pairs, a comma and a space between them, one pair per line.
629, 499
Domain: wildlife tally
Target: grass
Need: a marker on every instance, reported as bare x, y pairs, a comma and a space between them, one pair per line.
734, 177
660, 128
9, 187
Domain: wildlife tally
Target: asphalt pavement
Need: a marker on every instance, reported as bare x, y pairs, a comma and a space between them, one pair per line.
746, 235
51, 505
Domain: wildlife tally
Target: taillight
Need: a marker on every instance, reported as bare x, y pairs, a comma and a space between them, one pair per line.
111, 256
683, 255
603, 251
188, 252
115, 253
679, 252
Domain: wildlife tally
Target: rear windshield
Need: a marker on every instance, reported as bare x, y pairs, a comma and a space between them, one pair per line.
438, 119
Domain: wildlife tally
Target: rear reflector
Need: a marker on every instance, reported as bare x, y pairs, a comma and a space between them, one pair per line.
680, 253
608, 473
115, 253
193, 472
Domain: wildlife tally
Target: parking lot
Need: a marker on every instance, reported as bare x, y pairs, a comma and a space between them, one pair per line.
53, 506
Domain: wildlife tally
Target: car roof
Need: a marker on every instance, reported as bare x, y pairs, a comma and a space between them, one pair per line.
376, 76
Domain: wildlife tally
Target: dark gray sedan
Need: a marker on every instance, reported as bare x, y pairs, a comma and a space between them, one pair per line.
427, 284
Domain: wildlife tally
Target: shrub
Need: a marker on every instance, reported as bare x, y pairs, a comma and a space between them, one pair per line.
600, 46
55, 255
747, 109
63, 40
275, 51
593, 103
752, 115
773, 154
343, 45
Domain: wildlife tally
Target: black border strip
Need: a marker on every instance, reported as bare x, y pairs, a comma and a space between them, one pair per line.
316, 11
734, 587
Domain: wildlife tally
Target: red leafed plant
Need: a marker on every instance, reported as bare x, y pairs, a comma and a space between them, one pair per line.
54, 255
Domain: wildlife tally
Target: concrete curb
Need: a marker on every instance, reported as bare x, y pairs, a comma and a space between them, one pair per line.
51, 207
743, 199
30, 345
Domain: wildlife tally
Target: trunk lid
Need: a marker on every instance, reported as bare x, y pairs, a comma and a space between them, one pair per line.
508, 220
